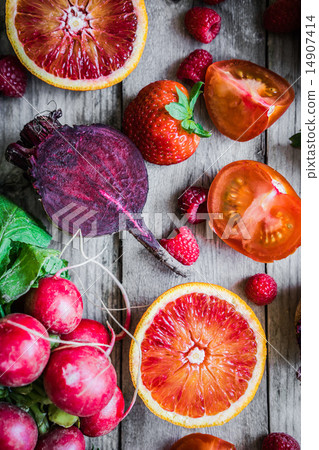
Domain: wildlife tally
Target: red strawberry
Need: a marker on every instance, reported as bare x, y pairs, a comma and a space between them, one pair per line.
283, 16
13, 77
203, 24
193, 201
160, 122
182, 247
280, 441
261, 289
193, 68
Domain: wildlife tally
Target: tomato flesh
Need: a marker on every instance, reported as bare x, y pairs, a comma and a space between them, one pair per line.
244, 99
261, 211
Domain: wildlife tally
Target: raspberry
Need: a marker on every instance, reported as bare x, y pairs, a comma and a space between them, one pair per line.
13, 76
203, 24
182, 247
261, 289
193, 201
280, 441
283, 16
193, 68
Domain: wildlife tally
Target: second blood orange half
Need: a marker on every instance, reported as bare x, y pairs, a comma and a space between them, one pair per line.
78, 44
203, 355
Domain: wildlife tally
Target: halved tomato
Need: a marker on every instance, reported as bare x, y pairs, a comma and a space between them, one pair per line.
243, 99
261, 212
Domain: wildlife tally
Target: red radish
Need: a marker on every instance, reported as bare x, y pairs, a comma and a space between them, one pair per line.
23, 355
79, 380
60, 438
107, 419
88, 330
18, 430
56, 303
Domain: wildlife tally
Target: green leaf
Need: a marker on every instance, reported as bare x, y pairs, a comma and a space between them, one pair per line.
295, 140
17, 226
183, 110
195, 93
31, 264
193, 127
177, 111
199, 130
62, 418
188, 125
182, 98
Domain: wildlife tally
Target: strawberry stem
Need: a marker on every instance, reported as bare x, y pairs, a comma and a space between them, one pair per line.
183, 110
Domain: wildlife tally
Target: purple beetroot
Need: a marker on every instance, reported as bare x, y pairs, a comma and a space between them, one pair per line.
60, 438
89, 177
18, 430
23, 353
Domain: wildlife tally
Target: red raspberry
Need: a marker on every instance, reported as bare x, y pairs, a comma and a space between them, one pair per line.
182, 247
193, 68
203, 24
280, 441
193, 201
261, 289
283, 16
213, 2
13, 76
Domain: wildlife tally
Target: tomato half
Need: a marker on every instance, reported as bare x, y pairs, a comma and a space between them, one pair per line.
243, 99
261, 212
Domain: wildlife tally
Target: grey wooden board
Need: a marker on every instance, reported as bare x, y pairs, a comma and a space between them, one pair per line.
276, 406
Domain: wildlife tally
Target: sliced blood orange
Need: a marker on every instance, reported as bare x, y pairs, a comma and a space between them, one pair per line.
203, 355
78, 44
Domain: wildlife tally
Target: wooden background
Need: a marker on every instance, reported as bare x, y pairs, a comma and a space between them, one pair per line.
276, 406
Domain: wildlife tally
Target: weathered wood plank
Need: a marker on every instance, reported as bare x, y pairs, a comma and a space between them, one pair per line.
102, 106
168, 43
284, 388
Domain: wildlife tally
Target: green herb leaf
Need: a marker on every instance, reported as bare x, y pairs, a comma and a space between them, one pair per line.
17, 226
195, 93
189, 125
182, 98
24, 257
183, 110
199, 130
31, 264
295, 140
177, 111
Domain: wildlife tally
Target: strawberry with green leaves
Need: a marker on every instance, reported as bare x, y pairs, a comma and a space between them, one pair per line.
160, 121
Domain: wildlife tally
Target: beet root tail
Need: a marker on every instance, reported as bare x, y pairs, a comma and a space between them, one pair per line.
149, 241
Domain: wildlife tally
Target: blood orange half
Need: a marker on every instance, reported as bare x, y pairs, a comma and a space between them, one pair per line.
203, 355
78, 44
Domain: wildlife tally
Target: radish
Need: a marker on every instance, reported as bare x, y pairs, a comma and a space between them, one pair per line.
60, 438
18, 430
105, 420
23, 355
56, 303
88, 330
79, 380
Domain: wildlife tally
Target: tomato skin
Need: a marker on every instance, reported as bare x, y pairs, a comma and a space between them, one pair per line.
239, 107
268, 207
200, 441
